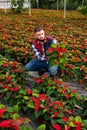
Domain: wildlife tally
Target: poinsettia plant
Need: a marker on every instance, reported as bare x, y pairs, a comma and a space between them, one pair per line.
57, 55
10, 119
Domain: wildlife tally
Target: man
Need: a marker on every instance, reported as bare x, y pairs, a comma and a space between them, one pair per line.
40, 46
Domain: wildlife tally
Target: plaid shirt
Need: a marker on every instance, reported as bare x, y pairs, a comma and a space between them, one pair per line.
40, 48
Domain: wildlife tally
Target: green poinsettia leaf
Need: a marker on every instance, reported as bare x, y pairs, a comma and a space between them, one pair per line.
42, 127
31, 104
53, 45
78, 119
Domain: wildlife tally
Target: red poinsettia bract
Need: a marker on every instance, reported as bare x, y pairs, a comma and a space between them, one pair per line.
57, 127
2, 111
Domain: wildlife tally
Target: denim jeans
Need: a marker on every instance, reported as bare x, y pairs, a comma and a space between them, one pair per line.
37, 65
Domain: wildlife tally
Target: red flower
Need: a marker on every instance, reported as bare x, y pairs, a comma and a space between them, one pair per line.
5, 37
13, 64
29, 91
62, 71
63, 50
57, 127
37, 107
85, 59
69, 111
67, 127
67, 96
38, 81
43, 97
4, 65
2, 111
80, 67
11, 89
59, 103
50, 50
44, 76
51, 104
8, 78
65, 119
4, 86
36, 100
2, 95
85, 76
54, 115
17, 88
58, 82
6, 123
58, 49
78, 125
15, 127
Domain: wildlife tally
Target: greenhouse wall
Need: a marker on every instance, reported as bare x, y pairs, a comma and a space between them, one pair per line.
7, 4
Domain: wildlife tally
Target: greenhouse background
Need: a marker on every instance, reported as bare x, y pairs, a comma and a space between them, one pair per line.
7, 4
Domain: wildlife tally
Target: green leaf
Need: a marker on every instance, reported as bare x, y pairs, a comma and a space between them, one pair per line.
85, 123
62, 60
85, 112
26, 97
53, 121
34, 90
31, 104
78, 119
39, 113
5, 89
2, 106
35, 94
16, 108
71, 124
15, 116
44, 110
22, 92
53, 45
42, 127
10, 109
60, 121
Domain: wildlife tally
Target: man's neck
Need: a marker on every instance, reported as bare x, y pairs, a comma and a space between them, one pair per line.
40, 40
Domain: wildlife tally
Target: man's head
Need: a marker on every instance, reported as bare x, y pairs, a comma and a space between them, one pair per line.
39, 33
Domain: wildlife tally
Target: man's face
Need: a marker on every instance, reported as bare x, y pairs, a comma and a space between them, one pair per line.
40, 35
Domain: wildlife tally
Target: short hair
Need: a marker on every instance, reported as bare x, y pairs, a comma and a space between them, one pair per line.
38, 28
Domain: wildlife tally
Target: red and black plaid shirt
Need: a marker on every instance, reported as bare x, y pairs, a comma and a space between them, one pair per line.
40, 48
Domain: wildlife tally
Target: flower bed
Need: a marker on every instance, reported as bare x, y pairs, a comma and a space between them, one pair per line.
49, 100
51, 103
11, 120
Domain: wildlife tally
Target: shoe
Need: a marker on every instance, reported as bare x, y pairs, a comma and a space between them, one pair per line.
33, 74
47, 74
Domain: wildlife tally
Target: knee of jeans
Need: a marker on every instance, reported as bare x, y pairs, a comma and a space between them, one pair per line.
28, 67
53, 72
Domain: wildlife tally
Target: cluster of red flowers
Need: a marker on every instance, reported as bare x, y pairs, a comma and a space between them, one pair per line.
7, 123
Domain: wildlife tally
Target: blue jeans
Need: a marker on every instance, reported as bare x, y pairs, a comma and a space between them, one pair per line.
37, 65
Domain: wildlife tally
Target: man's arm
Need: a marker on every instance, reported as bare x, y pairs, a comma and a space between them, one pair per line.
55, 41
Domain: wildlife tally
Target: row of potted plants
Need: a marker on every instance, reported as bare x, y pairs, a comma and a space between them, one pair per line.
51, 102
17, 35
10, 119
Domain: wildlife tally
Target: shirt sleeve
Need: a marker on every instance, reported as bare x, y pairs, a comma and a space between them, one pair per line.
37, 54
55, 41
